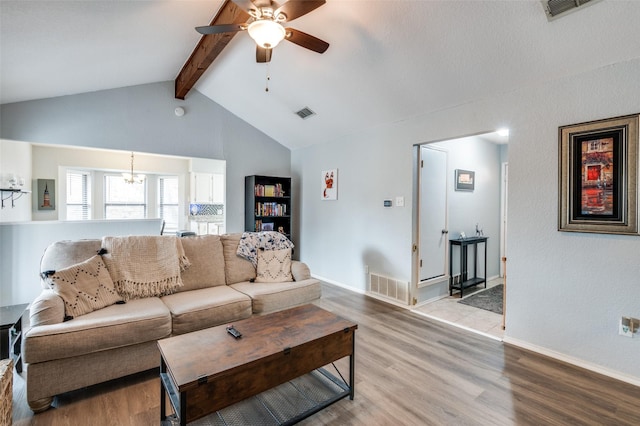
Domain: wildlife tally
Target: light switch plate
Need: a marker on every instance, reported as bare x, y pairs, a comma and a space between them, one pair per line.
399, 201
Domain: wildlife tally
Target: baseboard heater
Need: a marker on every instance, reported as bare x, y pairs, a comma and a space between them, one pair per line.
389, 288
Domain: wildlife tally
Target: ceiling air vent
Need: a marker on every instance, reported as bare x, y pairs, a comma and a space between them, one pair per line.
305, 113
557, 8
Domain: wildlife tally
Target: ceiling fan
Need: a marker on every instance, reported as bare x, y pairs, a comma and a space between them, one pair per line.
266, 25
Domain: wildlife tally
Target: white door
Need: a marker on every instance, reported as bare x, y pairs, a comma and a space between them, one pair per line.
433, 214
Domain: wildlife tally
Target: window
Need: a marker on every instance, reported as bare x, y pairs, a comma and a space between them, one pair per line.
78, 195
124, 200
168, 202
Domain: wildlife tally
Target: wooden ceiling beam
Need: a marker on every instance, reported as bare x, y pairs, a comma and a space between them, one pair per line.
208, 48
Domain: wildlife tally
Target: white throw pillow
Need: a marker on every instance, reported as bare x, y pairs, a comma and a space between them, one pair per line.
274, 266
84, 287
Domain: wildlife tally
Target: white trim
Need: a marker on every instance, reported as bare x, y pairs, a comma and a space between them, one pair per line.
433, 299
338, 284
572, 360
433, 281
453, 324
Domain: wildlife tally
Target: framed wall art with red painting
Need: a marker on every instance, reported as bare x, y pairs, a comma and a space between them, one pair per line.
599, 176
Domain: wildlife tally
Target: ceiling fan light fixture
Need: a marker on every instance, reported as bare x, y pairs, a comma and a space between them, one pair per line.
266, 33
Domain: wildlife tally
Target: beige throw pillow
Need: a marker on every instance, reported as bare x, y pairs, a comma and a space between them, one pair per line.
84, 287
274, 266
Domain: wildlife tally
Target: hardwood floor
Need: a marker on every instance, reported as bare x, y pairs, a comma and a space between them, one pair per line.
410, 370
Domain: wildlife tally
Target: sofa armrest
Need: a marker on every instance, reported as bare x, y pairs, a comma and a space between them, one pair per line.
300, 270
47, 308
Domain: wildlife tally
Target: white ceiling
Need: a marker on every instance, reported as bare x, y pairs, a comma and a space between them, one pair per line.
388, 60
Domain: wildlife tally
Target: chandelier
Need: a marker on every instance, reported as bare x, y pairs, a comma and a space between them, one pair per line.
130, 177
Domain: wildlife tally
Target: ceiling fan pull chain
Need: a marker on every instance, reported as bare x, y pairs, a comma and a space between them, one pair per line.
266, 89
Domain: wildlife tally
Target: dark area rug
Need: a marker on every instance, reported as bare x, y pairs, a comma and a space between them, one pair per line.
489, 299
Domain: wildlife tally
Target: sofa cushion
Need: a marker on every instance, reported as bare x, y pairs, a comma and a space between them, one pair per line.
207, 307
84, 287
137, 321
207, 262
270, 297
63, 254
274, 266
236, 268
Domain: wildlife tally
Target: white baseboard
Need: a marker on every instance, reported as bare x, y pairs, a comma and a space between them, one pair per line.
433, 299
572, 360
338, 284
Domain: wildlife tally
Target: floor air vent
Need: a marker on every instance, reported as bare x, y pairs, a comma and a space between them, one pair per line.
556, 8
305, 113
389, 288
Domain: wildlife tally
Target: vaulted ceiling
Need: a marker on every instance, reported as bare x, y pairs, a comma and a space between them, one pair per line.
388, 60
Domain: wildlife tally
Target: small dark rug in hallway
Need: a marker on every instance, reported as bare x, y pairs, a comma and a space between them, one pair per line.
489, 299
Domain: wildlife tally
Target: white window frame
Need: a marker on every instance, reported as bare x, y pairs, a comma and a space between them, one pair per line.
87, 193
106, 203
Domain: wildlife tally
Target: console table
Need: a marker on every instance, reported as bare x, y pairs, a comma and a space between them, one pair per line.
466, 281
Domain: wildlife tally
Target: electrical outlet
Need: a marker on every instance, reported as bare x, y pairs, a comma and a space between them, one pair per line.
366, 269
629, 326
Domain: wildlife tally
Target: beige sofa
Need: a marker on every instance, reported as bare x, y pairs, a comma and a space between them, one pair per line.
120, 339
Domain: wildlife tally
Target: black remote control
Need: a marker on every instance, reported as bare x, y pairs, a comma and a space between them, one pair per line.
232, 331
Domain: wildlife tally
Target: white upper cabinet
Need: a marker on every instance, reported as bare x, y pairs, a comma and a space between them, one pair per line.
207, 188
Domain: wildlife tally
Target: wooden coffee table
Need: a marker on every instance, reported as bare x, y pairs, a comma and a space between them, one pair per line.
205, 371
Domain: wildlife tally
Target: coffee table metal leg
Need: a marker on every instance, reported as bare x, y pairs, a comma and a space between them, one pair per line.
163, 393
183, 409
352, 364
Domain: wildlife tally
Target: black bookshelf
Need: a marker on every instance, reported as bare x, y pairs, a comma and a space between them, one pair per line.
267, 204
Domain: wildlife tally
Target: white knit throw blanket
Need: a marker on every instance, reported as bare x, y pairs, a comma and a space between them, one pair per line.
144, 266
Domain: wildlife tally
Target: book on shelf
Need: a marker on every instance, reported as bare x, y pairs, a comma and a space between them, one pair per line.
269, 190
271, 209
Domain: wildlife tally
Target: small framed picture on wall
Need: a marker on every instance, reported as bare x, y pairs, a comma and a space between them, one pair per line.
46, 194
329, 184
465, 180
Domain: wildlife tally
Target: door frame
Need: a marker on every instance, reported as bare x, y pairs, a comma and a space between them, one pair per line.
415, 228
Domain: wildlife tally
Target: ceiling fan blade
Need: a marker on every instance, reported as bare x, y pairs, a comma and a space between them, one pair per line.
305, 40
245, 4
263, 55
217, 29
296, 8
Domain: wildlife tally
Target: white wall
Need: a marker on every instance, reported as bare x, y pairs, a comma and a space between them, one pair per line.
566, 291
